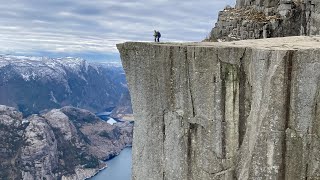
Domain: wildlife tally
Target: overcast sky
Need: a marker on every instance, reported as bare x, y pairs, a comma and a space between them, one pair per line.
91, 28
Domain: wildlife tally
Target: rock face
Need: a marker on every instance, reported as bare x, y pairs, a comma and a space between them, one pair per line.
256, 19
11, 142
40, 154
233, 110
66, 143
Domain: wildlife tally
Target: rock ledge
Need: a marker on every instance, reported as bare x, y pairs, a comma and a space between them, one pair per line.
234, 110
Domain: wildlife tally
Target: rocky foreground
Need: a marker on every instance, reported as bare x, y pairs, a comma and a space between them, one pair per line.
223, 111
66, 143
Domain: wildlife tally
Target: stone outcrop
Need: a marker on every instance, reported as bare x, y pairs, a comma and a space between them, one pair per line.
66, 143
39, 155
232, 110
11, 141
256, 19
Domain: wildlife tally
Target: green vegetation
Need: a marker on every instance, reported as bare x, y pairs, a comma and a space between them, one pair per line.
114, 134
104, 134
89, 161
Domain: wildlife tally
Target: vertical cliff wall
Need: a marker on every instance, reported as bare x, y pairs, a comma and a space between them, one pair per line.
240, 110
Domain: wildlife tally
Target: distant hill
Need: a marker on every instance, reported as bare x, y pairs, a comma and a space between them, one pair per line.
36, 84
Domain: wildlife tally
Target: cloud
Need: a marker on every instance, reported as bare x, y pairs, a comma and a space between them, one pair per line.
80, 26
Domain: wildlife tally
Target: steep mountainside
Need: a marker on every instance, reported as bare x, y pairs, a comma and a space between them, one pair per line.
34, 84
65, 143
242, 110
255, 19
124, 109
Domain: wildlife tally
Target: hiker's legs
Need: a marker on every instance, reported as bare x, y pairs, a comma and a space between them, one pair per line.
155, 39
158, 39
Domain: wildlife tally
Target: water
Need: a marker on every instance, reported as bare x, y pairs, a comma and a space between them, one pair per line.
119, 168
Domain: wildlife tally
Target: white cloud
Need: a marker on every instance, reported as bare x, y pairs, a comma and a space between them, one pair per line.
97, 25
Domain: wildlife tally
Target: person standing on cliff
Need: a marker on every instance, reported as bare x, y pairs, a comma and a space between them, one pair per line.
155, 34
158, 36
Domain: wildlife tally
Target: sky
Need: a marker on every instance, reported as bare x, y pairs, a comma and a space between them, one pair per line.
91, 28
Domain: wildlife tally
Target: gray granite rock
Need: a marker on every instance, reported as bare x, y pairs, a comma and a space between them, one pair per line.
39, 155
256, 19
233, 110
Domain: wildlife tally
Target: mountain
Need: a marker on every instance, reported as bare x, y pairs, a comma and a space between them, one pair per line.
36, 84
124, 109
66, 143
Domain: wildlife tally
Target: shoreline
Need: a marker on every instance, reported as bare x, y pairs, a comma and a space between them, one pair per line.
101, 169
105, 161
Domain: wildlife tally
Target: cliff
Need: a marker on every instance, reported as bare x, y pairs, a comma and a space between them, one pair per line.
66, 143
232, 110
256, 19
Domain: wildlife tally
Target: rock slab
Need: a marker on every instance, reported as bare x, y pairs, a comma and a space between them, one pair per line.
232, 110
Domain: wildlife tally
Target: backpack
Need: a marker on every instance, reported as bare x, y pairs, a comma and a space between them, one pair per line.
159, 34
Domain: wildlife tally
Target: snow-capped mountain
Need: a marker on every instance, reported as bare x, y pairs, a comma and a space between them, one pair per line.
34, 84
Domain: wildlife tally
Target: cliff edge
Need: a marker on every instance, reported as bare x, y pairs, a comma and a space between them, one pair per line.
233, 110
